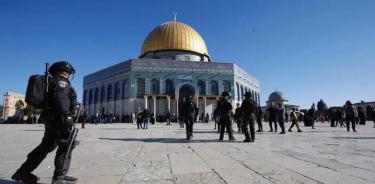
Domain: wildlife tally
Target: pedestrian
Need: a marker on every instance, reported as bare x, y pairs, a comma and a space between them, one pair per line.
168, 117
294, 117
146, 118
238, 117
139, 118
249, 109
351, 114
188, 113
311, 115
361, 116
280, 117
224, 109
61, 98
272, 116
259, 119
215, 117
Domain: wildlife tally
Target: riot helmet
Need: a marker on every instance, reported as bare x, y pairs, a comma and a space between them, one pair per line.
61, 66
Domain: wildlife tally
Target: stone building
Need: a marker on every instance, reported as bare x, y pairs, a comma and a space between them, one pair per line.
9, 104
174, 62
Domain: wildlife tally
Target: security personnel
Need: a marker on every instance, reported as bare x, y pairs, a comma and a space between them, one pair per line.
272, 116
238, 117
259, 119
225, 108
188, 112
61, 99
249, 108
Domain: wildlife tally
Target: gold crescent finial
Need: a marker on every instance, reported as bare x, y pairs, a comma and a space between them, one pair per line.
174, 16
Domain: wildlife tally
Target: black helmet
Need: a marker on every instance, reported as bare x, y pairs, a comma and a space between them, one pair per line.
224, 94
61, 66
247, 94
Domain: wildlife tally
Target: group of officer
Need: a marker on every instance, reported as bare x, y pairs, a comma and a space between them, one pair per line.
245, 116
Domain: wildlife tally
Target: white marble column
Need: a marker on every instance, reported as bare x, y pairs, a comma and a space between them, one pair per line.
169, 103
146, 103
205, 104
154, 101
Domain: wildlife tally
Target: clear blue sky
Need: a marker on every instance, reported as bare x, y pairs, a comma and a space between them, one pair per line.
307, 49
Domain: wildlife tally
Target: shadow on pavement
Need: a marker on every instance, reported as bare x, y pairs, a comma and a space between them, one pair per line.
353, 137
164, 140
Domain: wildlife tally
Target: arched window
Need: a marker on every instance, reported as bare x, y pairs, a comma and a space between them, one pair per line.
125, 89
155, 86
140, 88
202, 87
242, 92
117, 91
226, 85
96, 95
238, 92
84, 97
214, 88
90, 97
102, 94
169, 87
109, 92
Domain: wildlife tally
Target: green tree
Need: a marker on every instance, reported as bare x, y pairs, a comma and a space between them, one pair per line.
19, 105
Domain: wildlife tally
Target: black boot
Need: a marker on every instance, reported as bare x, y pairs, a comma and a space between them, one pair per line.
64, 180
27, 178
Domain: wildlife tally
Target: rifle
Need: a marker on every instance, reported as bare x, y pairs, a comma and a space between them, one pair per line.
71, 141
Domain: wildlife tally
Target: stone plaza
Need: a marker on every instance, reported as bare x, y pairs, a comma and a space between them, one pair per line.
119, 153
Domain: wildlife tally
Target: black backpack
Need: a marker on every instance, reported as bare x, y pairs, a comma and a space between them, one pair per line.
37, 89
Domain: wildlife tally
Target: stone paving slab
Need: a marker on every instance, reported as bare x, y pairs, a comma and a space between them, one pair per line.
119, 153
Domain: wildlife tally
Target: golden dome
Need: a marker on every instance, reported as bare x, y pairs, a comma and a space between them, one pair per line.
174, 36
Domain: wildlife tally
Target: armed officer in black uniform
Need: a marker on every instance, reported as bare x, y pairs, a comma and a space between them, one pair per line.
249, 108
188, 112
61, 100
225, 108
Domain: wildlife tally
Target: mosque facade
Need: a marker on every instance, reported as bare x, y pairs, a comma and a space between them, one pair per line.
174, 62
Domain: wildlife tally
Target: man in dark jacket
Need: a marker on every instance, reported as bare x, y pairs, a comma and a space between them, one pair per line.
280, 117
272, 116
188, 112
57, 116
259, 119
249, 109
350, 115
311, 115
238, 117
225, 108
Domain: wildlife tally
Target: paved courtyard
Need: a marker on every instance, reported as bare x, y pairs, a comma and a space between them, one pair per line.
119, 153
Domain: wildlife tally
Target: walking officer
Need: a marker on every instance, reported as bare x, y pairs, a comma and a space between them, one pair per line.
225, 108
61, 99
188, 112
249, 108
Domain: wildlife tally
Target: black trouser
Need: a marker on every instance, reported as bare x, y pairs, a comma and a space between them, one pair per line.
294, 122
225, 123
139, 123
282, 126
53, 137
239, 122
168, 121
274, 122
189, 121
249, 122
312, 122
349, 119
260, 125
